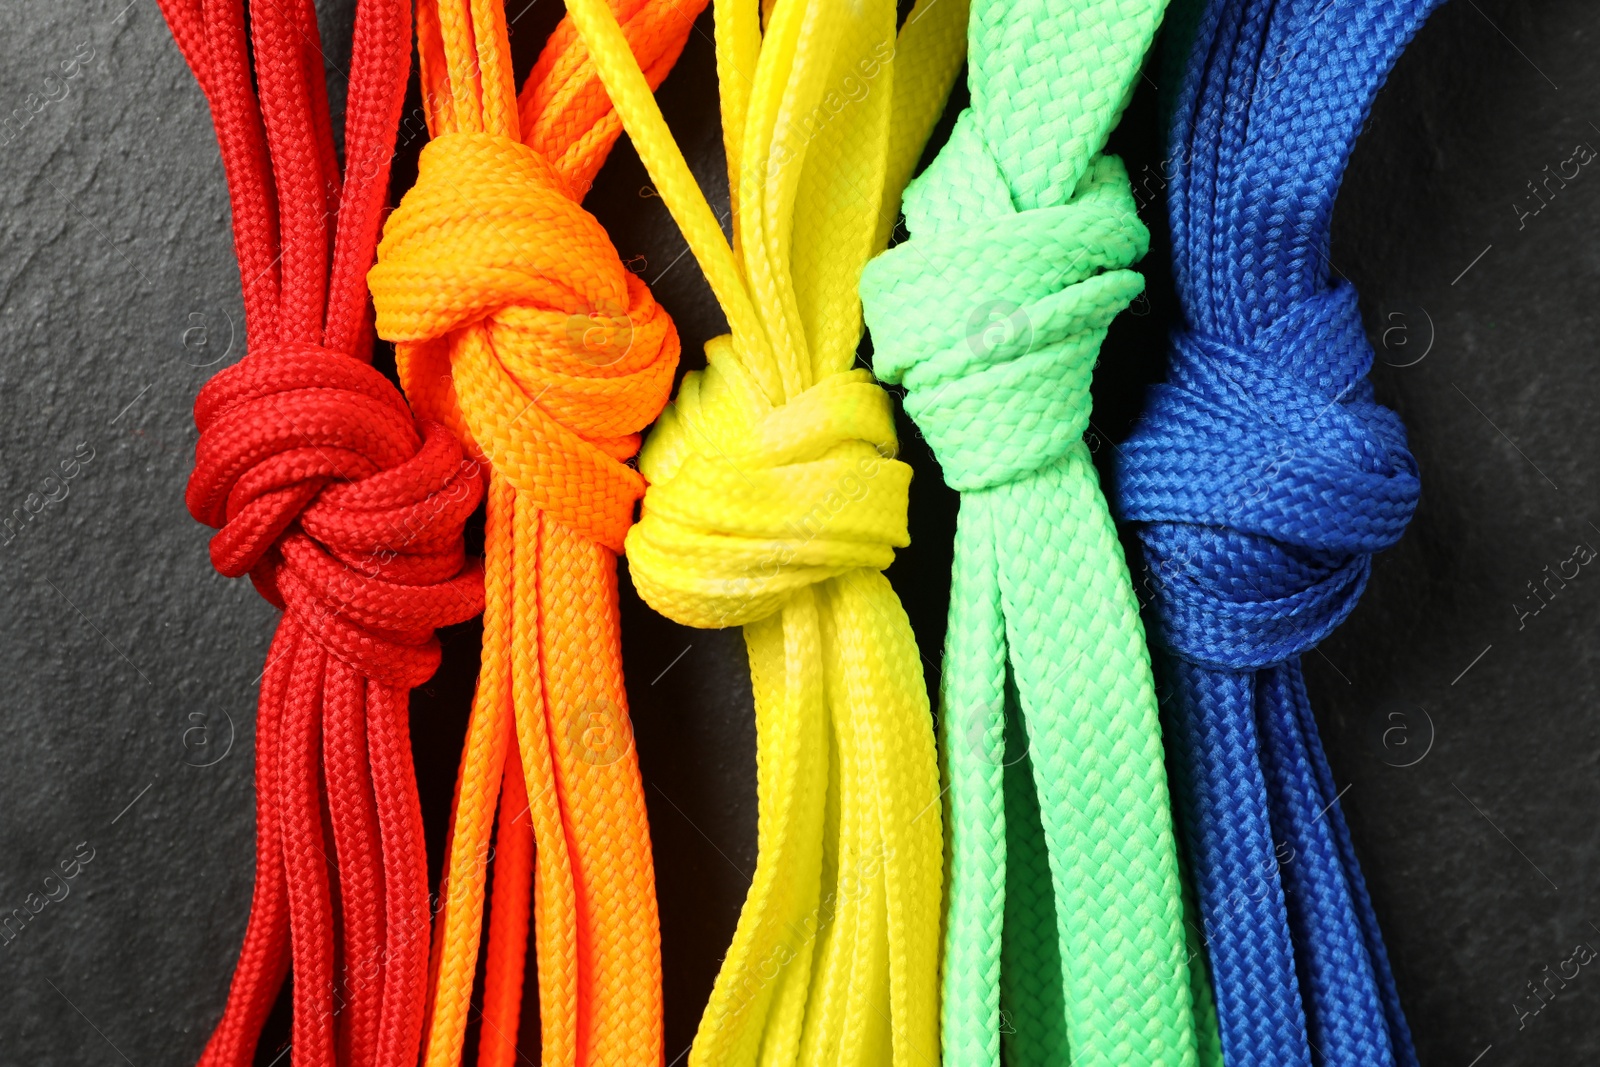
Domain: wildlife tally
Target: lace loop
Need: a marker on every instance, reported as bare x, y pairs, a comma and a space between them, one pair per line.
343, 509
730, 529
1268, 475
997, 372
549, 360
1279, 438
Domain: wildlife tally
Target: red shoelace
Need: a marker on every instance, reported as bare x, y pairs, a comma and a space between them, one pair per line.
347, 514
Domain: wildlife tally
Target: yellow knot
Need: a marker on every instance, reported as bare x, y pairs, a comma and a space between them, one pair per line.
519, 327
749, 503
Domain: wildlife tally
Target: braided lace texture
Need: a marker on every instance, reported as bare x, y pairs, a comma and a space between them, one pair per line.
517, 325
1064, 932
774, 503
347, 513
1265, 476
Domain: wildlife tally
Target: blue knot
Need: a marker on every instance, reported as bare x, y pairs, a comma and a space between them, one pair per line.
992, 318
1266, 475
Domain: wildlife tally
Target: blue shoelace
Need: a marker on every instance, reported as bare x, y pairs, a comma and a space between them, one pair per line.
1263, 477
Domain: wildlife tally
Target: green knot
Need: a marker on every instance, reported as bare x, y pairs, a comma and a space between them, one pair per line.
991, 318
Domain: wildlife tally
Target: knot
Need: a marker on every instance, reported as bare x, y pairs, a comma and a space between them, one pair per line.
345, 511
1268, 475
520, 328
743, 510
992, 319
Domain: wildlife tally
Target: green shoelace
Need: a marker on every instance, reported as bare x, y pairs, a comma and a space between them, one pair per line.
1065, 934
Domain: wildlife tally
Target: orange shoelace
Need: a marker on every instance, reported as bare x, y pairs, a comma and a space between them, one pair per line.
517, 325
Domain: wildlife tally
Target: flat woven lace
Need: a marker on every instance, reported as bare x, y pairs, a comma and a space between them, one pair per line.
347, 513
1265, 475
516, 324
1064, 933
774, 503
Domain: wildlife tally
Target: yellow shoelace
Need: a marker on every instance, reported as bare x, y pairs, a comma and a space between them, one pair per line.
774, 502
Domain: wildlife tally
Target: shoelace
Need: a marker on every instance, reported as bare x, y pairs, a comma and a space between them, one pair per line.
1266, 475
1064, 932
346, 513
517, 325
773, 503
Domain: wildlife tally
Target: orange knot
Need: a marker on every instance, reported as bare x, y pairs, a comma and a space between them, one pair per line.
344, 510
519, 327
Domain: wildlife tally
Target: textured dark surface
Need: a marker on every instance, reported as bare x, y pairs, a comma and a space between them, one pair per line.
130, 667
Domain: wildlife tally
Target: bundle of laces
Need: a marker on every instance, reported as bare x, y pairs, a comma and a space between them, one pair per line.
517, 325
1264, 476
347, 514
774, 503
1064, 935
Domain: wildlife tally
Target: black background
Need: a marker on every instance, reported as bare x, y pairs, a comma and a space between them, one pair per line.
1467, 737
